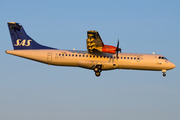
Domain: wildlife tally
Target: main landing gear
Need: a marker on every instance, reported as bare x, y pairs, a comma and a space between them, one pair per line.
164, 73
97, 70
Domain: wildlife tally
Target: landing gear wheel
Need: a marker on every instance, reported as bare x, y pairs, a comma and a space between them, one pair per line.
96, 69
97, 73
164, 74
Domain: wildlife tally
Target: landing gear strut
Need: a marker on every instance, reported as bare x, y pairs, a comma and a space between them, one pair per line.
97, 70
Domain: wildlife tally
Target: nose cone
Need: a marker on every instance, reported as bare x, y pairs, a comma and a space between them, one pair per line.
170, 65
173, 65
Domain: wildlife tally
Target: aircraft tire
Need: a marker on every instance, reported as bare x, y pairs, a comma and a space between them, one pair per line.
97, 74
164, 74
96, 69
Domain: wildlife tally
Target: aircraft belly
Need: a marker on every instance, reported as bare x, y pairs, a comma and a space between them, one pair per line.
130, 65
35, 55
149, 65
142, 65
91, 64
65, 62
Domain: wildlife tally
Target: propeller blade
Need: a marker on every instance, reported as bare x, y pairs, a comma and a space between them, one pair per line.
117, 49
118, 43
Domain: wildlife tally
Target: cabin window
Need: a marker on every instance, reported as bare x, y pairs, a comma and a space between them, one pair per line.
127, 57
86, 55
117, 57
97, 56
66, 54
138, 58
100, 56
111, 57
72, 55
107, 56
160, 57
93, 56
69, 54
59, 54
90, 56
134, 58
121, 57
124, 57
79, 55
114, 57
104, 56
62, 54
76, 55
83, 55
131, 58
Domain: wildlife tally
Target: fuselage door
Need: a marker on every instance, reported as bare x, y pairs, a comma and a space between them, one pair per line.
49, 57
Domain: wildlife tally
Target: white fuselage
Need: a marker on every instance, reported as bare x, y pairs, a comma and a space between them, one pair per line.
88, 60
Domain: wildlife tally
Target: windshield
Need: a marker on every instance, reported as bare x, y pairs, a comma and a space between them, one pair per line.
161, 57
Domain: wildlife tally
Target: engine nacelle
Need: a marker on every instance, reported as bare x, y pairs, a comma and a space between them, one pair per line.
109, 49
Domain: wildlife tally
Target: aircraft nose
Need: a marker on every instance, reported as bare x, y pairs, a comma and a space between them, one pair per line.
173, 65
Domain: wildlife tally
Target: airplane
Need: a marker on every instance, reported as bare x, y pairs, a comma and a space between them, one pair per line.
98, 57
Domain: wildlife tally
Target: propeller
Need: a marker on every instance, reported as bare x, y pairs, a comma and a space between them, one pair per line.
117, 49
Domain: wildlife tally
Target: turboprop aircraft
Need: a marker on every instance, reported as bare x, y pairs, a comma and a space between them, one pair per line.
98, 57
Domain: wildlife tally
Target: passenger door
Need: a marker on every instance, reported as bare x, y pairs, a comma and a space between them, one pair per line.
49, 57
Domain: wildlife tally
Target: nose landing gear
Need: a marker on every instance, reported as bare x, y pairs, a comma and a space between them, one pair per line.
164, 73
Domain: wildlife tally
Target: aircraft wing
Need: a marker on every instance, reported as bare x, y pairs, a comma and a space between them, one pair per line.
94, 42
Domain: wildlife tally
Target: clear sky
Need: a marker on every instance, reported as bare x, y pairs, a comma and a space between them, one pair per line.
34, 91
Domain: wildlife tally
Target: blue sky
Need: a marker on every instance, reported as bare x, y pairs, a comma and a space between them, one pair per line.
31, 90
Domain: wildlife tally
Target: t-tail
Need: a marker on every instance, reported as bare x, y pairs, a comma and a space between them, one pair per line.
20, 40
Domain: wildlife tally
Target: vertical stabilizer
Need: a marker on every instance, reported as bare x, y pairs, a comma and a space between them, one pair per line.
20, 40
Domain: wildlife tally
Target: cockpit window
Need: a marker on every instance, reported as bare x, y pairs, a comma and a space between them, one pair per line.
160, 57
164, 58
